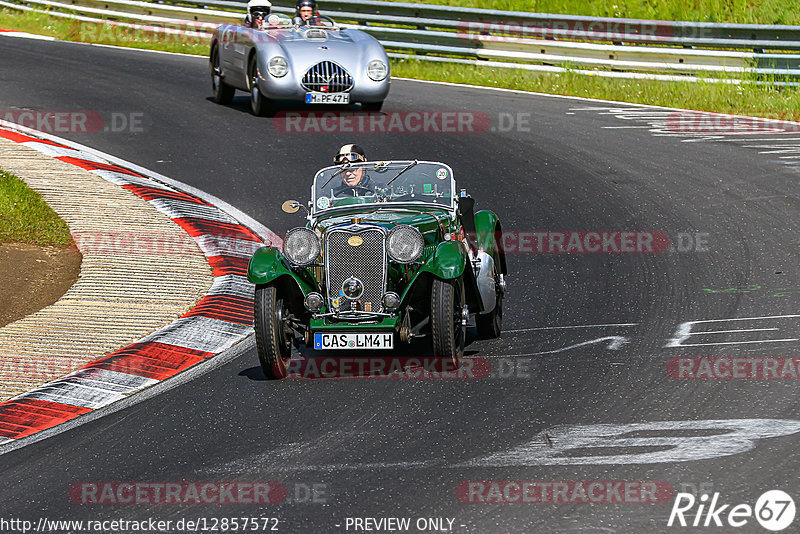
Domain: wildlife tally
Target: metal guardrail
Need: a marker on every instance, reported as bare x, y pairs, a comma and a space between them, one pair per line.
489, 37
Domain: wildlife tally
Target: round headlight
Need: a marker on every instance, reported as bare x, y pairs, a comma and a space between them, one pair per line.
405, 244
278, 66
390, 301
353, 288
314, 302
301, 246
377, 70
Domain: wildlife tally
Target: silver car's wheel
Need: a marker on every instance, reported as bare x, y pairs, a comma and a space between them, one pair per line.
223, 93
259, 104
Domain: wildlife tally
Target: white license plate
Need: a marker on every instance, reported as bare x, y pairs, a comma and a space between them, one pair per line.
327, 98
331, 341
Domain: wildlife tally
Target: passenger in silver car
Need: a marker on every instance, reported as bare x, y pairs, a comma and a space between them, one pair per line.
304, 10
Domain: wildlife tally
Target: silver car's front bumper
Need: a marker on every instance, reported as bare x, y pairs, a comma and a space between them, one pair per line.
289, 88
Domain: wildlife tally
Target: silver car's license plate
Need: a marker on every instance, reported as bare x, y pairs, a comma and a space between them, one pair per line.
327, 98
327, 341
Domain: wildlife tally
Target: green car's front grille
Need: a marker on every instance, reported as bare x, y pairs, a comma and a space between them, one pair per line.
365, 261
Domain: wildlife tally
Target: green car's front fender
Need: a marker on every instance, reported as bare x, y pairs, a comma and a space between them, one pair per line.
267, 265
489, 235
447, 262
485, 225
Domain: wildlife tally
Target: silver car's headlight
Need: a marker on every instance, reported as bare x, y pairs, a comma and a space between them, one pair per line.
301, 246
278, 66
377, 70
405, 244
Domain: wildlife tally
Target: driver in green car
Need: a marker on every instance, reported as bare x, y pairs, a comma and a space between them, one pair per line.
355, 182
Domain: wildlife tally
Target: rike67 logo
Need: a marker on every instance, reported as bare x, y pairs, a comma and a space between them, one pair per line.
774, 510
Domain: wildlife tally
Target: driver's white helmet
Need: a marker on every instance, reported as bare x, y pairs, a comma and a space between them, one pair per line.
256, 9
351, 154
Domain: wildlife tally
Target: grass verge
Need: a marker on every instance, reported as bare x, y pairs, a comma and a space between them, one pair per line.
26, 218
89, 32
747, 98
735, 11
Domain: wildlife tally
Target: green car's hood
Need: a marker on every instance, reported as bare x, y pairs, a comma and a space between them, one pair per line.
427, 221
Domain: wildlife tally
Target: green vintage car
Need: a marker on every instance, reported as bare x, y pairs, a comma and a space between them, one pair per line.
391, 252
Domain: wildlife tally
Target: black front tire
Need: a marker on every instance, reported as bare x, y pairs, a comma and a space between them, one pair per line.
447, 328
223, 93
273, 342
260, 105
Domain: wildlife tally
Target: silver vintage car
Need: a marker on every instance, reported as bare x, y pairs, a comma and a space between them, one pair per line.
315, 62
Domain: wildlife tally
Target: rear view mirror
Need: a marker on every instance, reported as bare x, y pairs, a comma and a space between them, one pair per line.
290, 206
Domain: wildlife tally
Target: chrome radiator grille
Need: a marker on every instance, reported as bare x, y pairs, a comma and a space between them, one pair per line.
366, 262
327, 77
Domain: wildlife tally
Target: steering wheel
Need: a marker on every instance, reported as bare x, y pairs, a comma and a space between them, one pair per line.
321, 21
362, 191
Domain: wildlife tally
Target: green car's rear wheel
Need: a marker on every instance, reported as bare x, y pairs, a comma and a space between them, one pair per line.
273, 341
447, 319
490, 325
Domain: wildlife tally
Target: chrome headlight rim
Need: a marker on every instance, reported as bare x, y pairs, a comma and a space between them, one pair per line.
377, 70
289, 253
278, 66
386, 301
314, 302
415, 234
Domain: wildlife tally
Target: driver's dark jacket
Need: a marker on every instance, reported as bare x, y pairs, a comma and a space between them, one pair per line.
300, 22
345, 190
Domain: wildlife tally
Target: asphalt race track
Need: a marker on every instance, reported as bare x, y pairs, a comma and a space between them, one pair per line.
400, 448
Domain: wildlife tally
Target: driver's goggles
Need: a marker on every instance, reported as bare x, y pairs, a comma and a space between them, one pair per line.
352, 157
